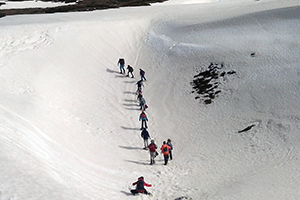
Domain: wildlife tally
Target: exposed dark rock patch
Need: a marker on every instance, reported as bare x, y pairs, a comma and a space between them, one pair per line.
247, 128
83, 5
183, 197
206, 83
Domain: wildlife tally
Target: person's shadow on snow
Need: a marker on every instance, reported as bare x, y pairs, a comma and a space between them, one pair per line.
131, 148
130, 104
116, 72
112, 71
127, 92
131, 100
137, 162
128, 128
130, 82
127, 193
132, 108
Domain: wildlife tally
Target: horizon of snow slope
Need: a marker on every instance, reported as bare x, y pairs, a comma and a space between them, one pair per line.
69, 120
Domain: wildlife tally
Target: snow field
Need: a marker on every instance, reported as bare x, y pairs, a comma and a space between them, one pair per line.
69, 121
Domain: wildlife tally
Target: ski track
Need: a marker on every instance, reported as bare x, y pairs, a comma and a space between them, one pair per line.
13, 44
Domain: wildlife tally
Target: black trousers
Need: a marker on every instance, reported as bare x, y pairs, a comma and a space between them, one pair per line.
144, 124
136, 192
166, 158
170, 154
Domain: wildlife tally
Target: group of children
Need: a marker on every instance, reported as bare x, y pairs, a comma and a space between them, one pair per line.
166, 148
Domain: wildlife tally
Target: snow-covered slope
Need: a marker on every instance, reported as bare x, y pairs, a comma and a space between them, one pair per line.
69, 121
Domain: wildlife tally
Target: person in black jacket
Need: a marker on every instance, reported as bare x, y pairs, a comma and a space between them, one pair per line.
169, 143
121, 62
145, 135
142, 74
140, 183
130, 70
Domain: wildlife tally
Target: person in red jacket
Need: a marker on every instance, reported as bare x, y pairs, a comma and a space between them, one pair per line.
140, 183
165, 150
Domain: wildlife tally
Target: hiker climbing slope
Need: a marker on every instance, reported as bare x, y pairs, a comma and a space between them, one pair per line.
121, 63
165, 151
144, 119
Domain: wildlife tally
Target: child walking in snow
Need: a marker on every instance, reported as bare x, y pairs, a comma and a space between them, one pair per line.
142, 103
144, 119
139, 86
121, 62
152, 150
145, 135
142, 74
169, 143
130, 70
165, 149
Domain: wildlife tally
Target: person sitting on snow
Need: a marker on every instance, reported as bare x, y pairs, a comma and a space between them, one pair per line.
140, 183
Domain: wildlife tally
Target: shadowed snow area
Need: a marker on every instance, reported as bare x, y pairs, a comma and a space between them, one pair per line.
69, 122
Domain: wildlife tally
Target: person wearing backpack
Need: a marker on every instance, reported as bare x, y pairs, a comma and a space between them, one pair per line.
145, 135
130, 70
142, 103
165, 151
142, 74
152, 150
139, 86
121, 62
140, 186
169, 143
144, 119
139, 95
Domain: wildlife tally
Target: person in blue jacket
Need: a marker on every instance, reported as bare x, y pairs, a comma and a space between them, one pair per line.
142, 103
169, 143
144, 119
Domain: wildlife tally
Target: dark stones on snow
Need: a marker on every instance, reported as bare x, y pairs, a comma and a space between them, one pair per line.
247, 128
83, 5
183, 197
206, 83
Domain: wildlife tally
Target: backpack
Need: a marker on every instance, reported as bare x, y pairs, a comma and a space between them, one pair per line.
165, 149
152, 148
142, 72
143, 115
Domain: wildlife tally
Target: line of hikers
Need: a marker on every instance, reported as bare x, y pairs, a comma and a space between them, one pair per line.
166, 148
130, 69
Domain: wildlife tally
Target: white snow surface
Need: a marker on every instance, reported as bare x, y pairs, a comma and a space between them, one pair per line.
69, 127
